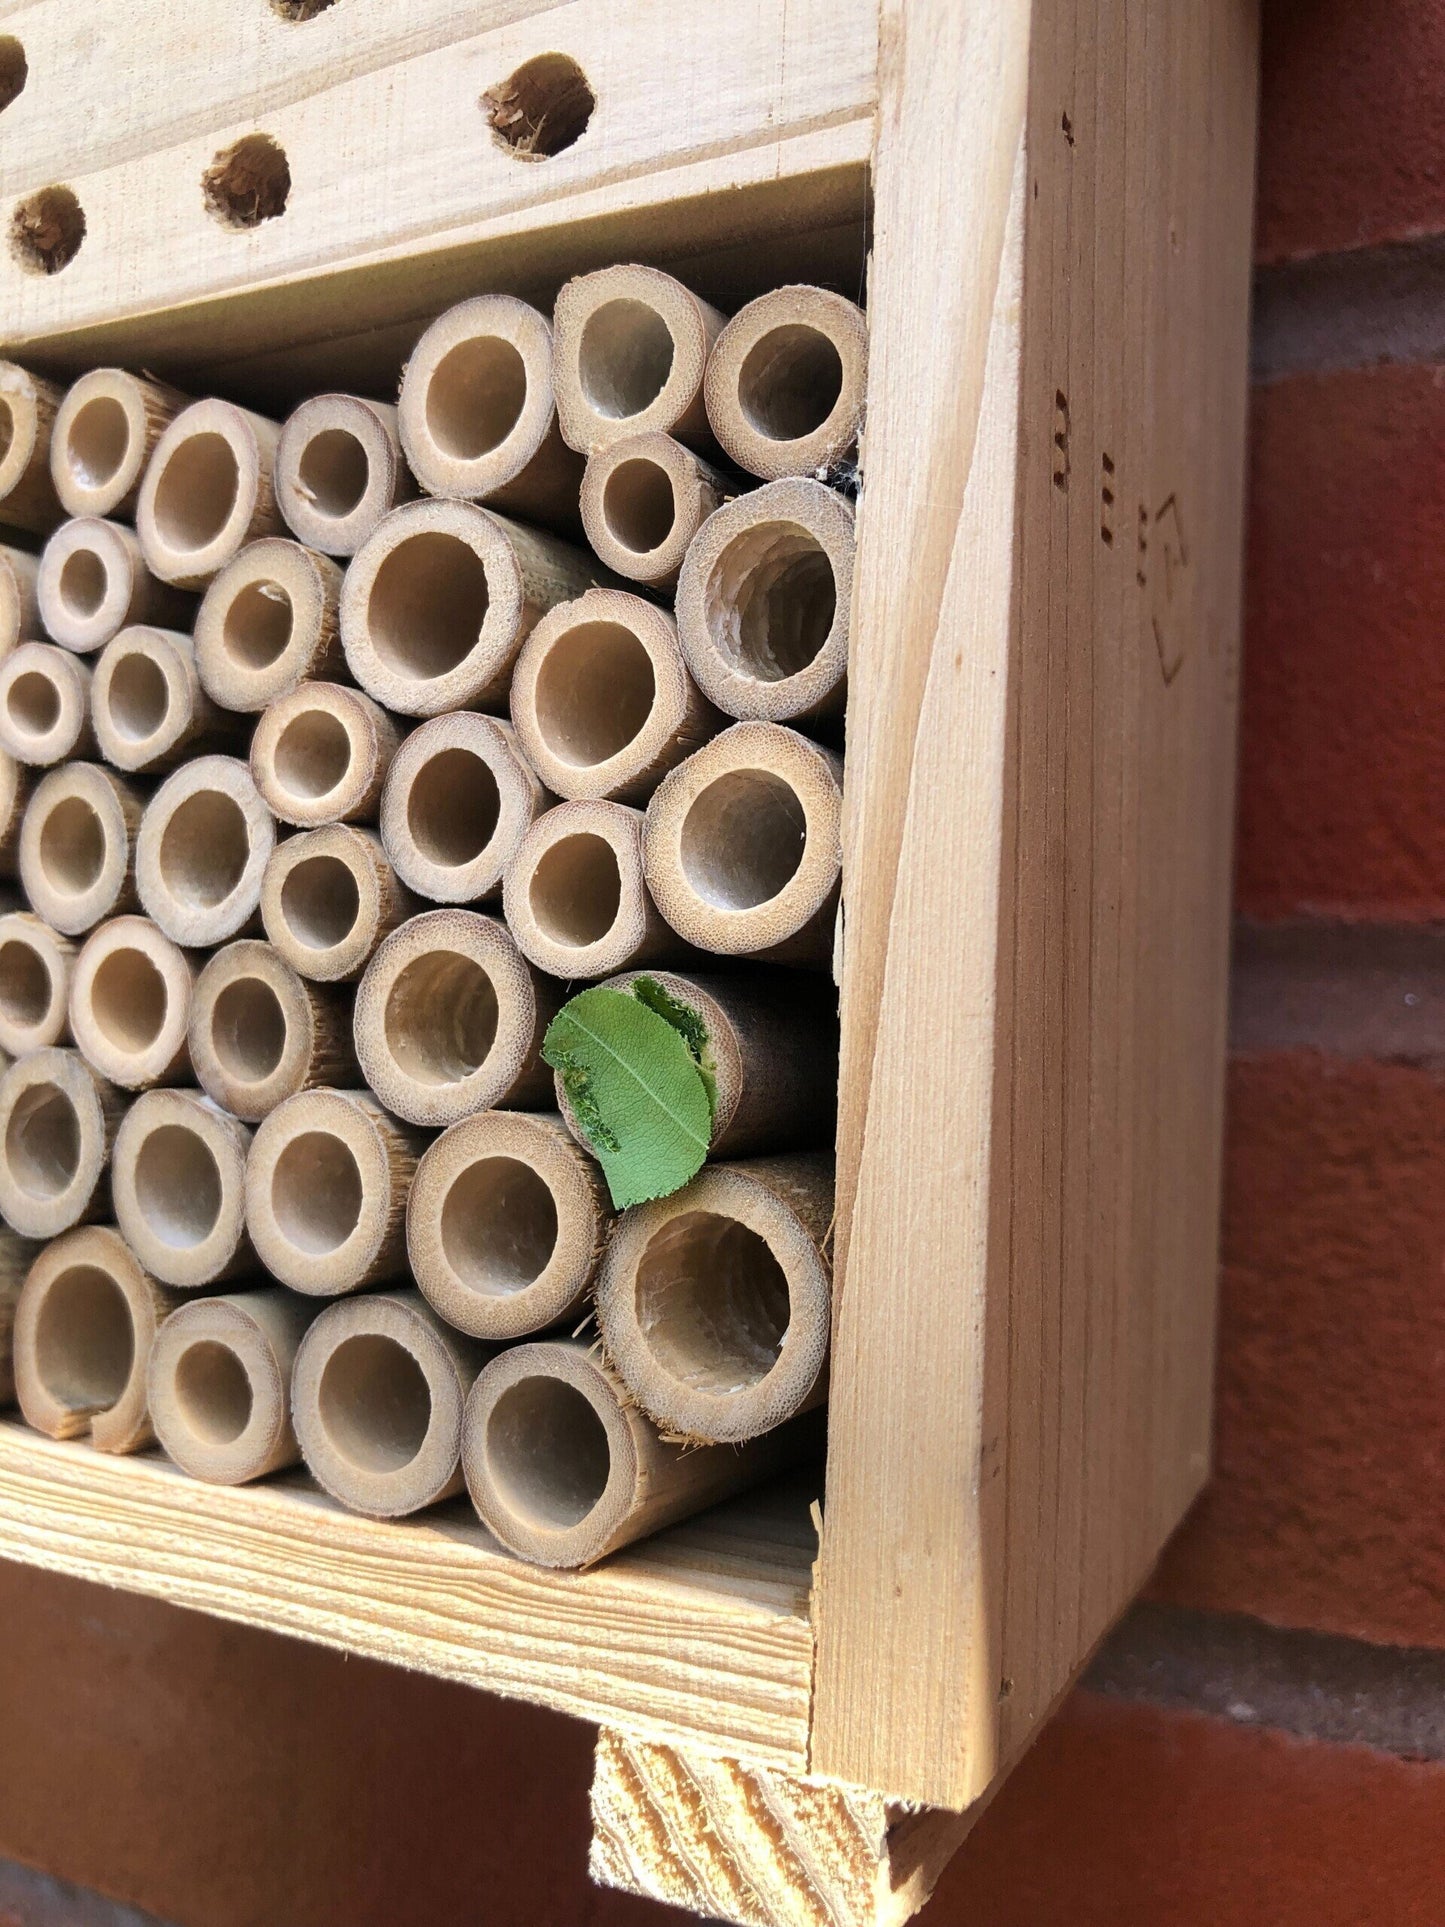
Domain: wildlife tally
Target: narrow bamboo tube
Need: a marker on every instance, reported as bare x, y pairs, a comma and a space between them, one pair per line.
575, 898
786, 382
602, 701
459, 798
328, 898
763, 604
563, 1468
207, 491
644, 497
105, 433
440, 598
78, 846
28, 404
268, 623
178, 1183
93, 582
148, 708
17, 783
339, 469
742, 845
58, 1120
219, 1384
130, 1001
17, 1254
35, 967
715, 1303
19, 606
476, 413
204, 843
450, 1018
377, 1398
506, 1224
631, 345
320, 755
259, 1033
44, 704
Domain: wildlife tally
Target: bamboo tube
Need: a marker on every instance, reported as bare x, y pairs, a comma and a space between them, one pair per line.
148, 708
763, 604
44, 705
78, 846
440, 598
130, 1000
320, 755
17, 783
506, 1224
574, 895
563, 1468
326, 1189
58, 1120
84, 1327
450, 1019
459, 798
207, 491
644, 497
602, 701
93, 582
17, 1255
377, 1398
259, 1033
27, 415
35, 967
328, 898
19, 608
219, 1384
178, 1183
786, 381
742, 845
476, 414
105, 433
268, 623
339, 469
715, 1303
204, 843
630, 347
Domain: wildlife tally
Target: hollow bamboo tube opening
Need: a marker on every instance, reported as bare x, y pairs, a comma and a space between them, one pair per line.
631, 344
643, 500
105, 432
259, 1033
339, 469
207, 492
147, 706
77, 846
27, 415
268, 623
505, 1224
715, 1303
328, 898
320, 755
19, 606
93, 582
763, 604
786, 382
450, 1018
377, 1397
178, 1176
44, 704
574, 893
219, 1384
17, 1254
458, 800
35, 967
130, 1001
203, 846
57, 1122
16, 787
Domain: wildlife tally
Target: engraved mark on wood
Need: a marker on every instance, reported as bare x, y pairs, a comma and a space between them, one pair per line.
1106, 501
1061, 440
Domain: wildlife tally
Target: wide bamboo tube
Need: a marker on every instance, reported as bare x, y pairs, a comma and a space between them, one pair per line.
17, 1254
268, 623
643, 499
207, 491
204, 843
17, 783
148, 708
35, 967
575, 898
93, 582
259, 1033
44, 704
339, 469
476, 413
440, 598
450, 1018
458, 800
178, 1184
563, 1468
630, 348
715, 1303
377, 1398
28, 404
602, 701
320, 755
506, 1224
105, 433
130, 1002
58, 1120
742, 845
786, 382
78, 846
19, 605
763, 605
219, 1384
328, 898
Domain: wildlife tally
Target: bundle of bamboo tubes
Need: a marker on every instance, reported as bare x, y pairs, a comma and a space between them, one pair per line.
336, 754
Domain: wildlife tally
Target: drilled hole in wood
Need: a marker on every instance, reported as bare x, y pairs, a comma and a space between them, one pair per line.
14, 70
541, 109
46, 230
299, 10
248, 183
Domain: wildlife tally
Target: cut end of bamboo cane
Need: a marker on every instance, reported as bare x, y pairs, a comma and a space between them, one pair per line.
91, 574
458, 800
320, 755
76, 846
55, 1123
203, 846
27, 413
574, 894
35, 966
104, 433
267, 622
786, 382
476, 408
130, 1000
339, 469
16, 785
145, 699
254, 1030
207, 491
178, 1185
19, 608
219, 1385
44, 704
327, 900
631, 344
644, 498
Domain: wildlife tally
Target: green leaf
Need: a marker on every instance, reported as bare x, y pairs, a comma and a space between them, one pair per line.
688, 1023
635, 1090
